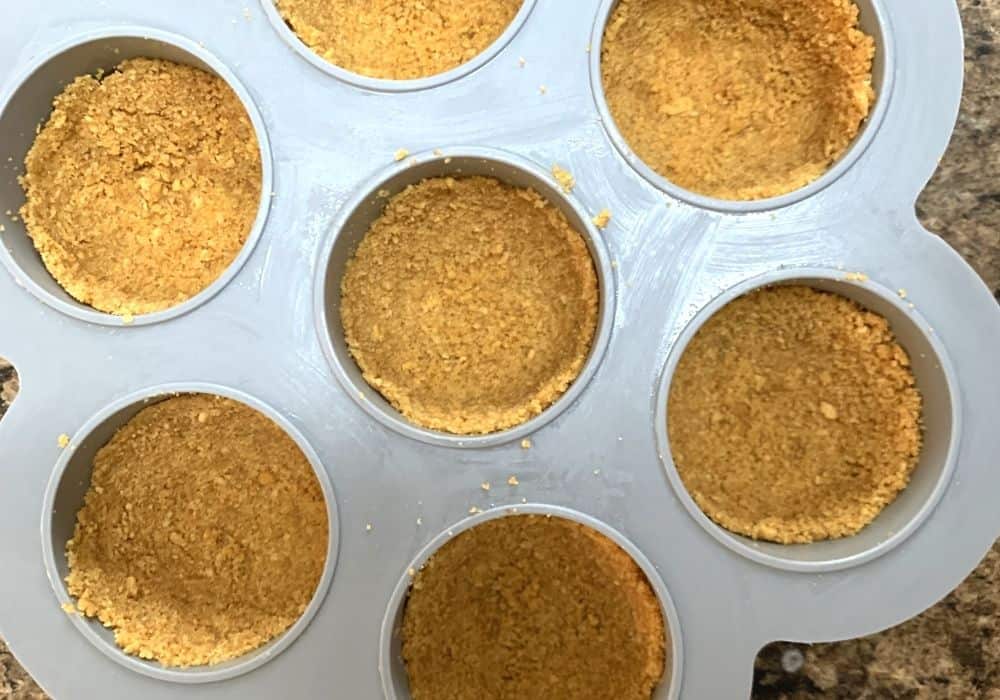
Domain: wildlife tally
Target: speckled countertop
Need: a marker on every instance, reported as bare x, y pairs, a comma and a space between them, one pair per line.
952, 651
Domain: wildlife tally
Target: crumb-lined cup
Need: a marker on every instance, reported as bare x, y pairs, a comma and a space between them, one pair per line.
64, 497
29, 105
392, 667
405, 85
873, 21
367, 206
941, 421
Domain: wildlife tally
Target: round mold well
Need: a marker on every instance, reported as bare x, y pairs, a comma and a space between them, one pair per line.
873, 20
64, 497
29, 104
356, 218
937, 383
385, 84
395, 683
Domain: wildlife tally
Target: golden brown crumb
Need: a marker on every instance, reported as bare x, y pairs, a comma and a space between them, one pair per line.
199, 540
532, 607
603, 218
564, 177
512, 481
738, 99
63, 440
398, 39
400, 154
142, 186
794, 416
470, 305
526, 443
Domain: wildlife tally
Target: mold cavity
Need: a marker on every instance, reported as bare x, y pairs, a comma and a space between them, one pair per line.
738, 99
195, 529
390, 40
808, 411
139, 179
530, 605
466, 296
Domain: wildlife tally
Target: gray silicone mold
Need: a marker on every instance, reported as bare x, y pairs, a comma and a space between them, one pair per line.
266, 333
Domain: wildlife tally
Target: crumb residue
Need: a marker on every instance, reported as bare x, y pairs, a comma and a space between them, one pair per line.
602, 219
564, 177
63, 440
470, 305
794, 416
529, 606
142, 186
199, 540
398, 40
738, 99
400, 154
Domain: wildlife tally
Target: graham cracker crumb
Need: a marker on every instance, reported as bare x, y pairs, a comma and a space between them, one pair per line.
142, 186
526, 606
470, 305
400, 154
512, 481
564, 177
485, 486
602, 219
398, 40
63, 440
856, 277
526, 444
198, 541
69, 609
738, 99
794, 416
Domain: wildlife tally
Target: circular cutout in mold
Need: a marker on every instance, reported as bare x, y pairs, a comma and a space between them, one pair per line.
29, 105
872, 21
392, 667
366, 82
936, 382
368, 205
64, 497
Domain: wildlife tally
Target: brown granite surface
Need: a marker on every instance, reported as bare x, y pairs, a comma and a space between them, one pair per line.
952, 651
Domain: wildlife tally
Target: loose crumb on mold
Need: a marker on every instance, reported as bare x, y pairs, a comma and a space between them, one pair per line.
526, 444
512, 481
69, 609
400, 154
63, 440
794, 416
485, 486
396, 40
856, 277
602, 219
198, 541
564, 177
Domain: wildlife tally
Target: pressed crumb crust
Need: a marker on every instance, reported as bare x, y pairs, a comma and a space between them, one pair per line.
142, 186
470, 305
738, 99
398, 39
794, 416
203, 534
530, 606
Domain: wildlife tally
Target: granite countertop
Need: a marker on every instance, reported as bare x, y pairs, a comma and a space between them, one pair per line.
953, 649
